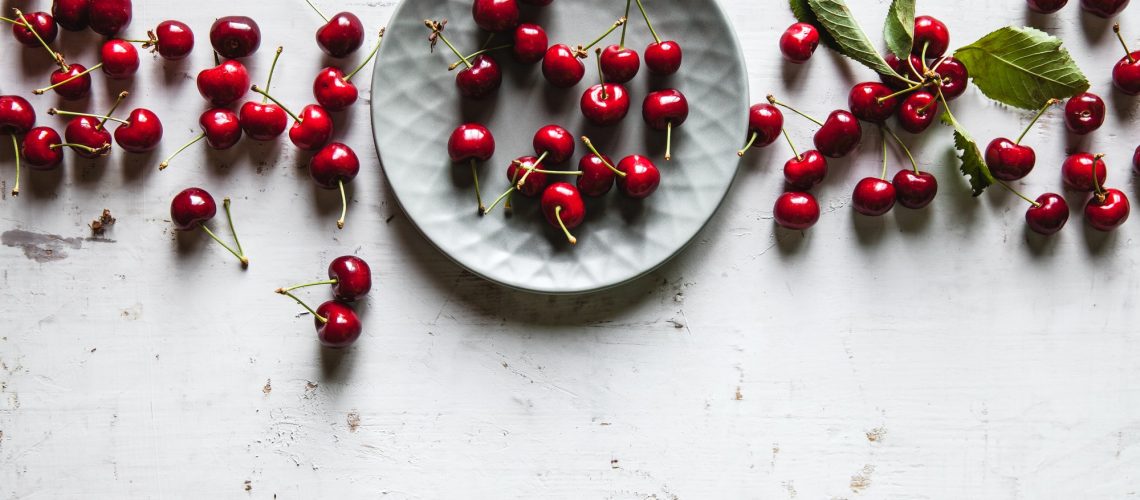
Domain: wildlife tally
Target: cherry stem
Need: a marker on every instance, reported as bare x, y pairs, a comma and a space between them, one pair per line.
245, 262
217, 59
1127, 52
1044, 108
55, 55
558, 215
118, 100
772, 99
938, 64
1099, 158
54, 111
343, 204
647, 22
751, 141
478, 193
320, 318
531, 169
594, 150
68, 80
884, 174
437, 29
581, 52
625, 26
601, 75
788, 138
1019, 195
902, 145
901, 92
285, 290
502, 197
16, 150
257, 89
230, 221
82, 147
319, 13
477, 54
272, 68
924, 67
371, 55
926, 107
669, 141
166, 163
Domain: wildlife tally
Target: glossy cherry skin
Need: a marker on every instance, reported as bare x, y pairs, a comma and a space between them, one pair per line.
108, 17
495, 15
192, 208
1136, 160
1049, 215
909, 69
561, 67
932, 34
71, 15
1047, 7
342, 35
955, 77
42, 22
17, 116
482, 79
224, 84
263, 121
314, 130
805, 172
1077, 172
597, 179
796, 210
470, 141
873, 197
235, 36
865, 104
799, 42
1084, 113
557, 142
1104, 8
766, 121
565, 195
86, 130
141, 133
37, 148
334, 164
917, 112
1008, 161
120, 59
665, 107
641, 177
839, 136
73, 90
175, 40
605, 104
530, 44
535, 182
333, 91
222, 128
663, 58
1126, 74
915, 190
1109, 211
353, 277
342, 327
620, 64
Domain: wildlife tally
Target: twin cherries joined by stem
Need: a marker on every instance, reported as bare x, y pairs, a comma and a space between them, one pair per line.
838, 136
334, 90
561, 65
194, 207
481, 75
140, 132
105, 17
17, 117
1108, 208
337, 324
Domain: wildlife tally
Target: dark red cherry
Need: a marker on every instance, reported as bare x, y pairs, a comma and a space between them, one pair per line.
663, 58
839, 136
42, 22
87, 131
765, 122
224, 84
341, 327
333, 91
955, 77
221, 126
915, 190
605, 104
334, 164
555, 142
263, 121
314, 129
620, 64
1047, 7
495, 15
342, 35
141, 133
37, 148
191, 208
109, 17
910, 68
353, 277
235, 36
482, 79
17, 116
530, 43
563, 207
174, 39
1107, 211
796, 210
597, 178
471, 141
918, 111
932, 35
1008, 161
873, 197
561, 67
1077, 171
872, 102
1084, 113
78, 84
120, 59
1048, 215
1104, 8
1126, 72
641, 177
533, 183
806, 171
799, 42
665, 110
71, 15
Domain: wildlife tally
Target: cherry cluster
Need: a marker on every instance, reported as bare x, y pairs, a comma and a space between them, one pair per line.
336, 321
604, 104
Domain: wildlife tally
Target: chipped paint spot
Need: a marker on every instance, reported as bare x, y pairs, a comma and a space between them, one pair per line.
862, 479
40, 247
268, 387
877, 434
353, 420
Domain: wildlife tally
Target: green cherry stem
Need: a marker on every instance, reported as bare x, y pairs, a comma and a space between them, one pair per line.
82, 147
478, 192
245, 262
751, 140
1044, 108
54, 111
1096, 182
343, 205
436, 28
558, 215
371, 55
166, 163
319, 13
792, 145
531, 169
285, 290
884, 174
590, 146
669, 141
501, 198
69, 80
55, 55
1127, 52
16, 151
272, 68
118, 100
320, 318
647, 22
772, 99
902, 145
628, 3
601, 74
257, 89
477, 54
901, 92
583, 51
230, 221
1016, 192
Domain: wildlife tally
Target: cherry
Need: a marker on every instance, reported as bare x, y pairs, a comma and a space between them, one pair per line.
108, 17
530, 44
872, 101
71, 83
563, 207
264, 121
337, 325
598, 172
1009, 160
235, 36
350, 277
1104, 8
120, 59
663, 58
334, 90
495, 15
224, 84
17, 116
931, 37
606, 103
805, 171
41, 148
43, 24
641, 177
1126, 73
873, 197
1047, 7
311, 130
796, 210
839, 135
1107, 210
917, 112
765, 122
220, 127
665, 110
910, 69
1077, 171
141, 133
620, 64
554, 142
472, 143
341, 35
1084, 113
915, 189
525, 176
194, 207
331, 168
561, 66
482, 75
954, 77
173, 40
799, 42
1048, 214
71, 15
88, 130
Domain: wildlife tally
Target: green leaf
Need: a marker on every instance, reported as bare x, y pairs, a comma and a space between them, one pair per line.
1022, 67
852, 42
898, 30
973, 163
802, 11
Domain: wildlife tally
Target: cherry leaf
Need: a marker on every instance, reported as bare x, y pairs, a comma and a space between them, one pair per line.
898, 29
973, 163
802, 11
1022, 67
851, 41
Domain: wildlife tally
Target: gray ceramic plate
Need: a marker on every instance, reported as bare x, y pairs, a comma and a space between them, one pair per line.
415, 106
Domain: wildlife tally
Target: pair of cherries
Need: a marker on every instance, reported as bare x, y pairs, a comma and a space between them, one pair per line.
140, 132
1108, 208
1100, 8
911, 188
105, 17
337, 323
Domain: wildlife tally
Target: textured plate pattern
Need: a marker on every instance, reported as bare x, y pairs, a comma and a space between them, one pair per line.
415, 105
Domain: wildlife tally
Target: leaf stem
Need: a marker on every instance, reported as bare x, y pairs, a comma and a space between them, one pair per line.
772, 99
1044, 108
647, 22
371, 55
602, 75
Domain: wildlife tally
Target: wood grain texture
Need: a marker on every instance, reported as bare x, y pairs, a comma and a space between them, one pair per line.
935, 354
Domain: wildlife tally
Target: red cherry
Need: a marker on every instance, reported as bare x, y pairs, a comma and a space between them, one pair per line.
1084, 113
620, 64
641, 177
472, 143
141, 133
665, 110
556, 143
1047, 7
88, 131
1048, 215
495, 15
915, 190
341, 327
605, 104
342, 35
663, 58
932, 35
796, 210
530, 44
1104, 8
220, 127
873, 197
909, 69
108, 17
120, 59
1077, 172
224, 84
533, 182
313, 129
17, 116
839, 135
1009, 161
235, 36
42, 22
1126, 72
173, 40
262, 121
1107, 211
561, 67
765, 122
799, 42
334, 90
918, 112
597, 177
71, 15
482, 79
872, 102
955, 77
71, 84
353, 277
191, 208
563, 207
41, 148
331, 168
805, 171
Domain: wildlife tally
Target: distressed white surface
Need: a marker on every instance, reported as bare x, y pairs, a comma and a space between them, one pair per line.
941, 354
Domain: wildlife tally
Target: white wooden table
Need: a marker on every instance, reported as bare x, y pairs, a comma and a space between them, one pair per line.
939, 354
